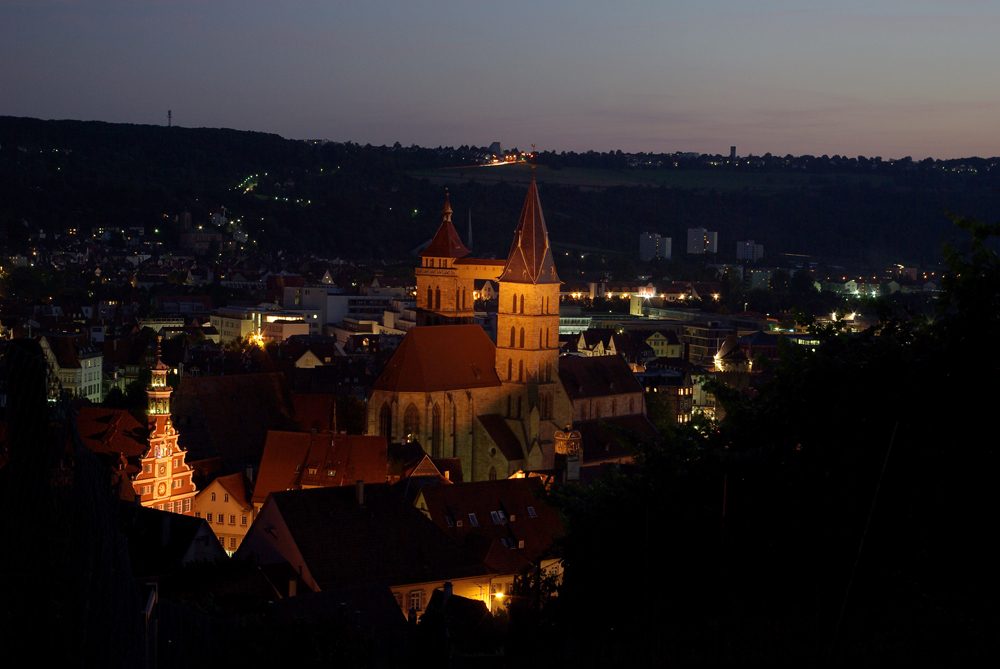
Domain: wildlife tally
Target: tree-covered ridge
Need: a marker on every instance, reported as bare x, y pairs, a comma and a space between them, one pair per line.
381, 202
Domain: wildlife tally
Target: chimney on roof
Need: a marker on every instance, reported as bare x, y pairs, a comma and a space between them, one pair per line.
359, 489
447, 595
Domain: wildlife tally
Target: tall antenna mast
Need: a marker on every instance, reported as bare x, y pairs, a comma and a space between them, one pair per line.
170, 116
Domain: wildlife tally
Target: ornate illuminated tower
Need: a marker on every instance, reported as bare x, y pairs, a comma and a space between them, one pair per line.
528, 316
443, 296
165, 480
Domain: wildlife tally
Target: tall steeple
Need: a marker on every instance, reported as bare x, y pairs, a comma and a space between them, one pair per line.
446, 242
443, 296
530, 259
165, 481
528, 318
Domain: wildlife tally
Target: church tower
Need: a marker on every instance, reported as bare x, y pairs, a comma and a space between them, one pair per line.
443, 296
165, 480
528, 317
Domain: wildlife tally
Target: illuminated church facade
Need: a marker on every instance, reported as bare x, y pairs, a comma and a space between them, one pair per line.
495, 406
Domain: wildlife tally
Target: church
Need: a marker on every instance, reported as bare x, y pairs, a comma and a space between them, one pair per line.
500, 407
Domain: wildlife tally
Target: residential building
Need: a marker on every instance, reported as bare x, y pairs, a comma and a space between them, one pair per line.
226, 508
652, 245
361, 535
749, 251
77, 364
702, 241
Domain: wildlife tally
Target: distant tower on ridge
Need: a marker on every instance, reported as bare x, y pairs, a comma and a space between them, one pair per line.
170, 115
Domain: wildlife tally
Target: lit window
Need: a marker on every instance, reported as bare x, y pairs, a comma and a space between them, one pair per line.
417, 600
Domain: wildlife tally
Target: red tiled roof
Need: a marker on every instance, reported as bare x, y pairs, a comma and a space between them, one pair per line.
418, 365
446, 242
235, 485
385, 540
294, 460
112, 431
512, 497
530, 259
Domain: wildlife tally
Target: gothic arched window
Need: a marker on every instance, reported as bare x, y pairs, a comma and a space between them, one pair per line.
430, 298
522, 337
385, 421
411, 424
513, 335
522, 304
510, 368
437, 298
513, 306
436, 438
493, 473
520, 370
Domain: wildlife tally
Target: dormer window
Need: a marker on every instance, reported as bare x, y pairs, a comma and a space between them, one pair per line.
496, 517
472, 520
531, 512
312, 471
448, 519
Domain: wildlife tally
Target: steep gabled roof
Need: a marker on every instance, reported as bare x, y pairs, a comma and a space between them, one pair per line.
446, 242
112, 431
235, 485
385, 540
511, 497
530, 259
441, 357
293, 460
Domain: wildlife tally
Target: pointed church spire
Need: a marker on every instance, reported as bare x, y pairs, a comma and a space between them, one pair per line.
530, 259
446, 242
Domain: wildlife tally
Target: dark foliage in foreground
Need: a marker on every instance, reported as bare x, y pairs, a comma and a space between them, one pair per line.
750, 541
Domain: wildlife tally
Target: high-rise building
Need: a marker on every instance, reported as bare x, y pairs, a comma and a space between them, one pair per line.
749, 251
702, 241
652, 245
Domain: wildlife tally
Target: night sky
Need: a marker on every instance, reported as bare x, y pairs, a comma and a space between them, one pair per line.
887, 78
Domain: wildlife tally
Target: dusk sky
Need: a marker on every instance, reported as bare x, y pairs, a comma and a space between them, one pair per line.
880, 77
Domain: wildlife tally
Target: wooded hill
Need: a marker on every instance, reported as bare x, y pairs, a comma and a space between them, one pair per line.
348, 200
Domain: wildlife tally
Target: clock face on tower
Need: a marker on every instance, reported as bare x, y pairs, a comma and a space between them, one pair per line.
161, 489
163, 470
